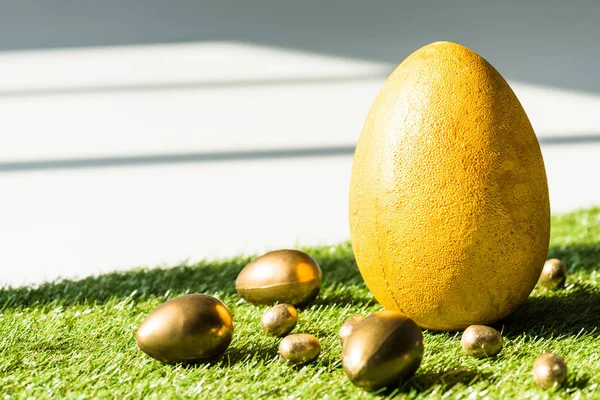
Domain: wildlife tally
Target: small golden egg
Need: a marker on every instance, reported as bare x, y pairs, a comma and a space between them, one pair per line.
549, 370
284, 276
481, 341
299, 348
186, 328
554, 274
382, 349
279, 320
348, 326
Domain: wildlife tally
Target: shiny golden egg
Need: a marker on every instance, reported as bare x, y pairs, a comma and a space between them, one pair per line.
186, 328
299, 348
550, 370
279, 320
382, 349
481, 341
348, 326
284, 276
554, 274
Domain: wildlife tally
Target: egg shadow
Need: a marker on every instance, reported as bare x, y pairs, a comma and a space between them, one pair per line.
232, 356
564, 312
137, 284
329, 363
264, 354
333, 298
245, 354
448, 379
577, 383
424, 380
214, 277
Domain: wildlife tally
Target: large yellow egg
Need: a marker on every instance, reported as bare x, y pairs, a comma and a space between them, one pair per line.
449, 210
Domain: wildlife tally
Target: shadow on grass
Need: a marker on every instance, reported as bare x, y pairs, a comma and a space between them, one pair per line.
578, 258
233, 355
263, 353
138, 283
337, 264
573, 311
342, 298
246, 354
423, 381
577, 383
566, 312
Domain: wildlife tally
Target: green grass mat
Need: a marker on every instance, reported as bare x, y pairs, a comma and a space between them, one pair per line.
76, 339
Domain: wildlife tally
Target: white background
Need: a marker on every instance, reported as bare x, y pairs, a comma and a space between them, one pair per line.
150, 135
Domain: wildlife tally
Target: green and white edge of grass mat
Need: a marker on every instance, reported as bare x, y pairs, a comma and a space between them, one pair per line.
76, 339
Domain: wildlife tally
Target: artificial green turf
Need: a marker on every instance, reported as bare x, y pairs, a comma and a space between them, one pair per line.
76, 339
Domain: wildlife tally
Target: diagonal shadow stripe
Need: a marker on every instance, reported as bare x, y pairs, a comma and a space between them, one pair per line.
155, 159
569, 139
191, 85
223, 156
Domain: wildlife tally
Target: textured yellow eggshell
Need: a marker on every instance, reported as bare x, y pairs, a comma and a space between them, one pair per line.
449, 210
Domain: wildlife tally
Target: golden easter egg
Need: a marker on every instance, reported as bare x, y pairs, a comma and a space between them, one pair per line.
186, 328
280, 276
382, 349
299, 348
279, 320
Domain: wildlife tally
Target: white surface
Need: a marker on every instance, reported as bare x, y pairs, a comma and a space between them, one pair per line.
195, 99
73, 222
